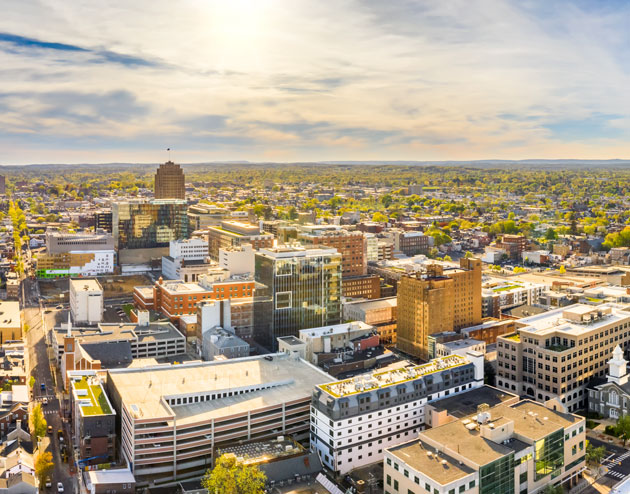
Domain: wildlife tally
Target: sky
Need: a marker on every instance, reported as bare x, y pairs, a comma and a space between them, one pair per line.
293, 80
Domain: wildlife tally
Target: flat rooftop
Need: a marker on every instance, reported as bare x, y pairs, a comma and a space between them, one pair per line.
532, 421
263, 451
416, 454
155, 331
380, 303
10, 315
393, 377
88, 393
465, 404
573, 319
89, 285
336, 329
141, 390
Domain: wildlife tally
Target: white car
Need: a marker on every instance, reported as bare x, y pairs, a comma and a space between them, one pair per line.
45, 401
59, 487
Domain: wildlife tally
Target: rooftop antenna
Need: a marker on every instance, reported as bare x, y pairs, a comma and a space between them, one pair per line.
169, 153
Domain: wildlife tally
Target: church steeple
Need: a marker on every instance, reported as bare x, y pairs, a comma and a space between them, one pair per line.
617, 367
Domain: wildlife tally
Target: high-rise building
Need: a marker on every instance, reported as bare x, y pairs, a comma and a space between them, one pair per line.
437, 301
297, 289
169, 182
351, 245
86, 301
148, 227
554, 355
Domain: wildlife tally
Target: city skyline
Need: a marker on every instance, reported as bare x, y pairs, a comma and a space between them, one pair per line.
306, 81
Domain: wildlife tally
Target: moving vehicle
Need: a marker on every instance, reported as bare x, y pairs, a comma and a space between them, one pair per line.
45, 401
48, 481
59, 487
42, 386
50, 429
59, 307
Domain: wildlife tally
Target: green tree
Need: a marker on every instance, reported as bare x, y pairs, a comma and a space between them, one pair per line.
468, 254
232, 477
37, 422
43, 465
623, 428
448, 258
31, 381
551, 234
292, 213
553, 489
594, 455
562, 269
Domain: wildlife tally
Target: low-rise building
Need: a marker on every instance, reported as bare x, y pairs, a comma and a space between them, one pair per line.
380, 313
609, 396
353, 421
328, 342
221, 343
10, 321
499, 294
116, 480
509, 448
235, 233
175, 417
94, 419
460, 347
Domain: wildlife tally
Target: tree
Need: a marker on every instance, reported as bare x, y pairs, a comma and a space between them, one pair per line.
551, 234
232, 477
31, 381
594, 456
37, 421
562, 269
43, 465
468, 254
623, 428
379, 217
448, 258
553, 489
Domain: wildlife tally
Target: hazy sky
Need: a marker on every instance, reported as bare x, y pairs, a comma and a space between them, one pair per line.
86, 81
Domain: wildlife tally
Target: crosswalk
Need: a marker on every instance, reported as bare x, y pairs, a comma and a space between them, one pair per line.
615, 475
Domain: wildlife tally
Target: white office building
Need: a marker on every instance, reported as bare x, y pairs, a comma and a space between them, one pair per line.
353, 421
86, 301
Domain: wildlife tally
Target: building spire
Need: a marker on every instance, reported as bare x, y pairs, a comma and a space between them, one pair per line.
69, 334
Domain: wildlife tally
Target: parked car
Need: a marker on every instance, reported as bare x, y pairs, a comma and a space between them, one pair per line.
48, 482
50, 429
45, 401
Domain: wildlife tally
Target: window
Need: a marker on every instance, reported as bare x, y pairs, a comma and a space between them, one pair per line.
283, 300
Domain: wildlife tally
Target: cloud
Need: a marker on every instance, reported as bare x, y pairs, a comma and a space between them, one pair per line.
307, 80
36, 47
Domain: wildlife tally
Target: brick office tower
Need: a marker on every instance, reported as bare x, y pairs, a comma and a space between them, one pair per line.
440, 300
169, 182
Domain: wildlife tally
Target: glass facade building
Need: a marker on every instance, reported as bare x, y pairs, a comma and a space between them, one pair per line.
549, 455
497, 477
296, 289
146, 225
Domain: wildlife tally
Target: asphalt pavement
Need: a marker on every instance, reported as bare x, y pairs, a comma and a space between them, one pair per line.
616, 460
39, 366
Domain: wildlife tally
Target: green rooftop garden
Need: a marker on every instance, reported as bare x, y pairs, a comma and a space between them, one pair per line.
96, 396
506, 288
513, 337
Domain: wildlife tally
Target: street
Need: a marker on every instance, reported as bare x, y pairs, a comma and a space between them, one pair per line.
39, 367
617, 459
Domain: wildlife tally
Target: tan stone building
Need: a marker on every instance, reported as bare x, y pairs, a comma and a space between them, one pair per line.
169, 182
10, 321
436, 301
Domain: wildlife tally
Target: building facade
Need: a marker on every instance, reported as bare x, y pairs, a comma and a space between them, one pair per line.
609, 397
351, 246
76, 263
63, 243
442, 300
175, 417
353, 421
554, 355
170, 182
505, 449
298, 289
234, 234
86, 301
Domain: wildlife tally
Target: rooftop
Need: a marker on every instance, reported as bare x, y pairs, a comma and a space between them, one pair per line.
391, 377
573, 320
88, 393
141, 390
263, 451
88, 285
10, 315
336, 329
